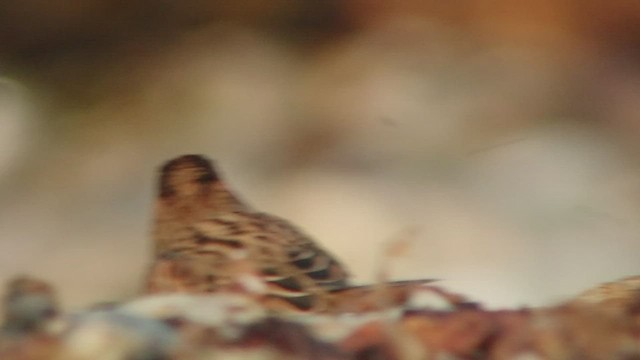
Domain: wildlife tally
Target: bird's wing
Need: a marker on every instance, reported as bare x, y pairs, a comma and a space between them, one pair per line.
293, 266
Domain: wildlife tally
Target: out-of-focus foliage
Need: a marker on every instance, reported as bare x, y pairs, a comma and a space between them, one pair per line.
506, 132
235, 324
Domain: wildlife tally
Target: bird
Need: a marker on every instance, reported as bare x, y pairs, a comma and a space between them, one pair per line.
29, 304
29, 329
621, 296
206, 239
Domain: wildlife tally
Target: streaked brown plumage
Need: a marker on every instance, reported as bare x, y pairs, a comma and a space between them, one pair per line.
202, 230
622, 296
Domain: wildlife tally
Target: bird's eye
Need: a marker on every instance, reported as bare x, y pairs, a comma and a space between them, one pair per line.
206, 177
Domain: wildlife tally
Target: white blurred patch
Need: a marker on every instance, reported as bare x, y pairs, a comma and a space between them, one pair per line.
426, 299
224, 310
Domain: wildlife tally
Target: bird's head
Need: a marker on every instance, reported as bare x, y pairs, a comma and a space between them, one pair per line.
187, 176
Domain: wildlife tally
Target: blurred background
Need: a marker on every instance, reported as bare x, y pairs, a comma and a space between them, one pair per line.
500, 139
